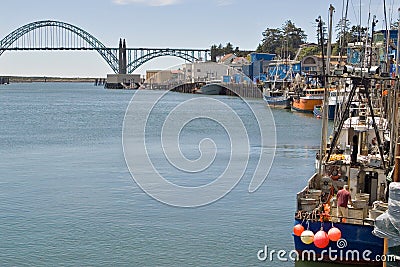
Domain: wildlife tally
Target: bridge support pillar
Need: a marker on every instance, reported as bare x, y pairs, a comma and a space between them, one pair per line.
122, 57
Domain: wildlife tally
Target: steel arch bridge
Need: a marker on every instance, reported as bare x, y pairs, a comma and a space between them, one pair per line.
57, 35
142, 55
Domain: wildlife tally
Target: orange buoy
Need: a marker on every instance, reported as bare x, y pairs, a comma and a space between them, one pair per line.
334, 234
307, 237
321, 239
298, 229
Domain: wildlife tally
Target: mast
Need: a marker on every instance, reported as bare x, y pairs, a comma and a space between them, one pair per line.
324, 110
374, 21
398, 47
344, 30
387, 38
395, 145
329, 46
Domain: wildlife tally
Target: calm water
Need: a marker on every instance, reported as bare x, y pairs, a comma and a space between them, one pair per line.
67, 197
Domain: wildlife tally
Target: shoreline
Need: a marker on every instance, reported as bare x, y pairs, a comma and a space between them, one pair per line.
31, 79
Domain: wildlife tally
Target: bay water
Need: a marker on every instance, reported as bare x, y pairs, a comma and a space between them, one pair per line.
67, 197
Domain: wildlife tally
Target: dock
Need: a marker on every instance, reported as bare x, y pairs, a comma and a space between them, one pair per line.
230, 89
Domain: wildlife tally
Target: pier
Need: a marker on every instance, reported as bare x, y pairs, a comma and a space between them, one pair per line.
190, 77
230, 89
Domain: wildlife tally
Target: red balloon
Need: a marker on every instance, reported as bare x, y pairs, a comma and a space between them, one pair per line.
334, 234
321, 239
298, 229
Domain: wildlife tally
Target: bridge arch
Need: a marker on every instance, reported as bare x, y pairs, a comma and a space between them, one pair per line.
187, 55
64, 36
108, 54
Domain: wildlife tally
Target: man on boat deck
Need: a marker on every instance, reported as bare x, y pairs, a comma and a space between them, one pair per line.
373, 147
343, 198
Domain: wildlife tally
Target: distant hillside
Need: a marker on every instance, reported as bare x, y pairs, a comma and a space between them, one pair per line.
21, 79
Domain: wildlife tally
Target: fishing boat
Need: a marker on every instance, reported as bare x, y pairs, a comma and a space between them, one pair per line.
360, 156
277, 99
335, 100
350, 160
283, 75
311, 97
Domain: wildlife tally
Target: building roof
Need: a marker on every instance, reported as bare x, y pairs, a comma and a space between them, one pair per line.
227, 57
176, 71
239, 59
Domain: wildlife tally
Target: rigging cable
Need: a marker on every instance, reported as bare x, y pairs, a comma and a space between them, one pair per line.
387, 36
354, 10
344, 38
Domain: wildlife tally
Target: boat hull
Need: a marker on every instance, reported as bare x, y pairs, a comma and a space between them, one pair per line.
305, 105
331, 112
211, 89
358, 239
278, 102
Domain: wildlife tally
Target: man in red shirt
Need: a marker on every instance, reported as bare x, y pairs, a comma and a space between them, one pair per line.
343, 198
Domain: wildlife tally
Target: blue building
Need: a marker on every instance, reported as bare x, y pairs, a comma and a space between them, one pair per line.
261, 57
283, 69
256, 69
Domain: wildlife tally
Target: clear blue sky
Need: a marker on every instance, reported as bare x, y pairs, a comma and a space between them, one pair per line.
162, 23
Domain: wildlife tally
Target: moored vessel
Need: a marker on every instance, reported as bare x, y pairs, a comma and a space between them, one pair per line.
277, 99
211, 88
309, 99
359, 158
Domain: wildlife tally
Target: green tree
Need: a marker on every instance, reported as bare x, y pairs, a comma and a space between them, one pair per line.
357, 32
309, 50
342, 37
284, 41
219, 51
271, 42
228, 49
214, 53
293, 37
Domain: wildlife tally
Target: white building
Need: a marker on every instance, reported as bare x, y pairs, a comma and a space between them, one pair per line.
205, 71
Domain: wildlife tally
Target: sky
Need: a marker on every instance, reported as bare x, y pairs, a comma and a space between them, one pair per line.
193, 24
